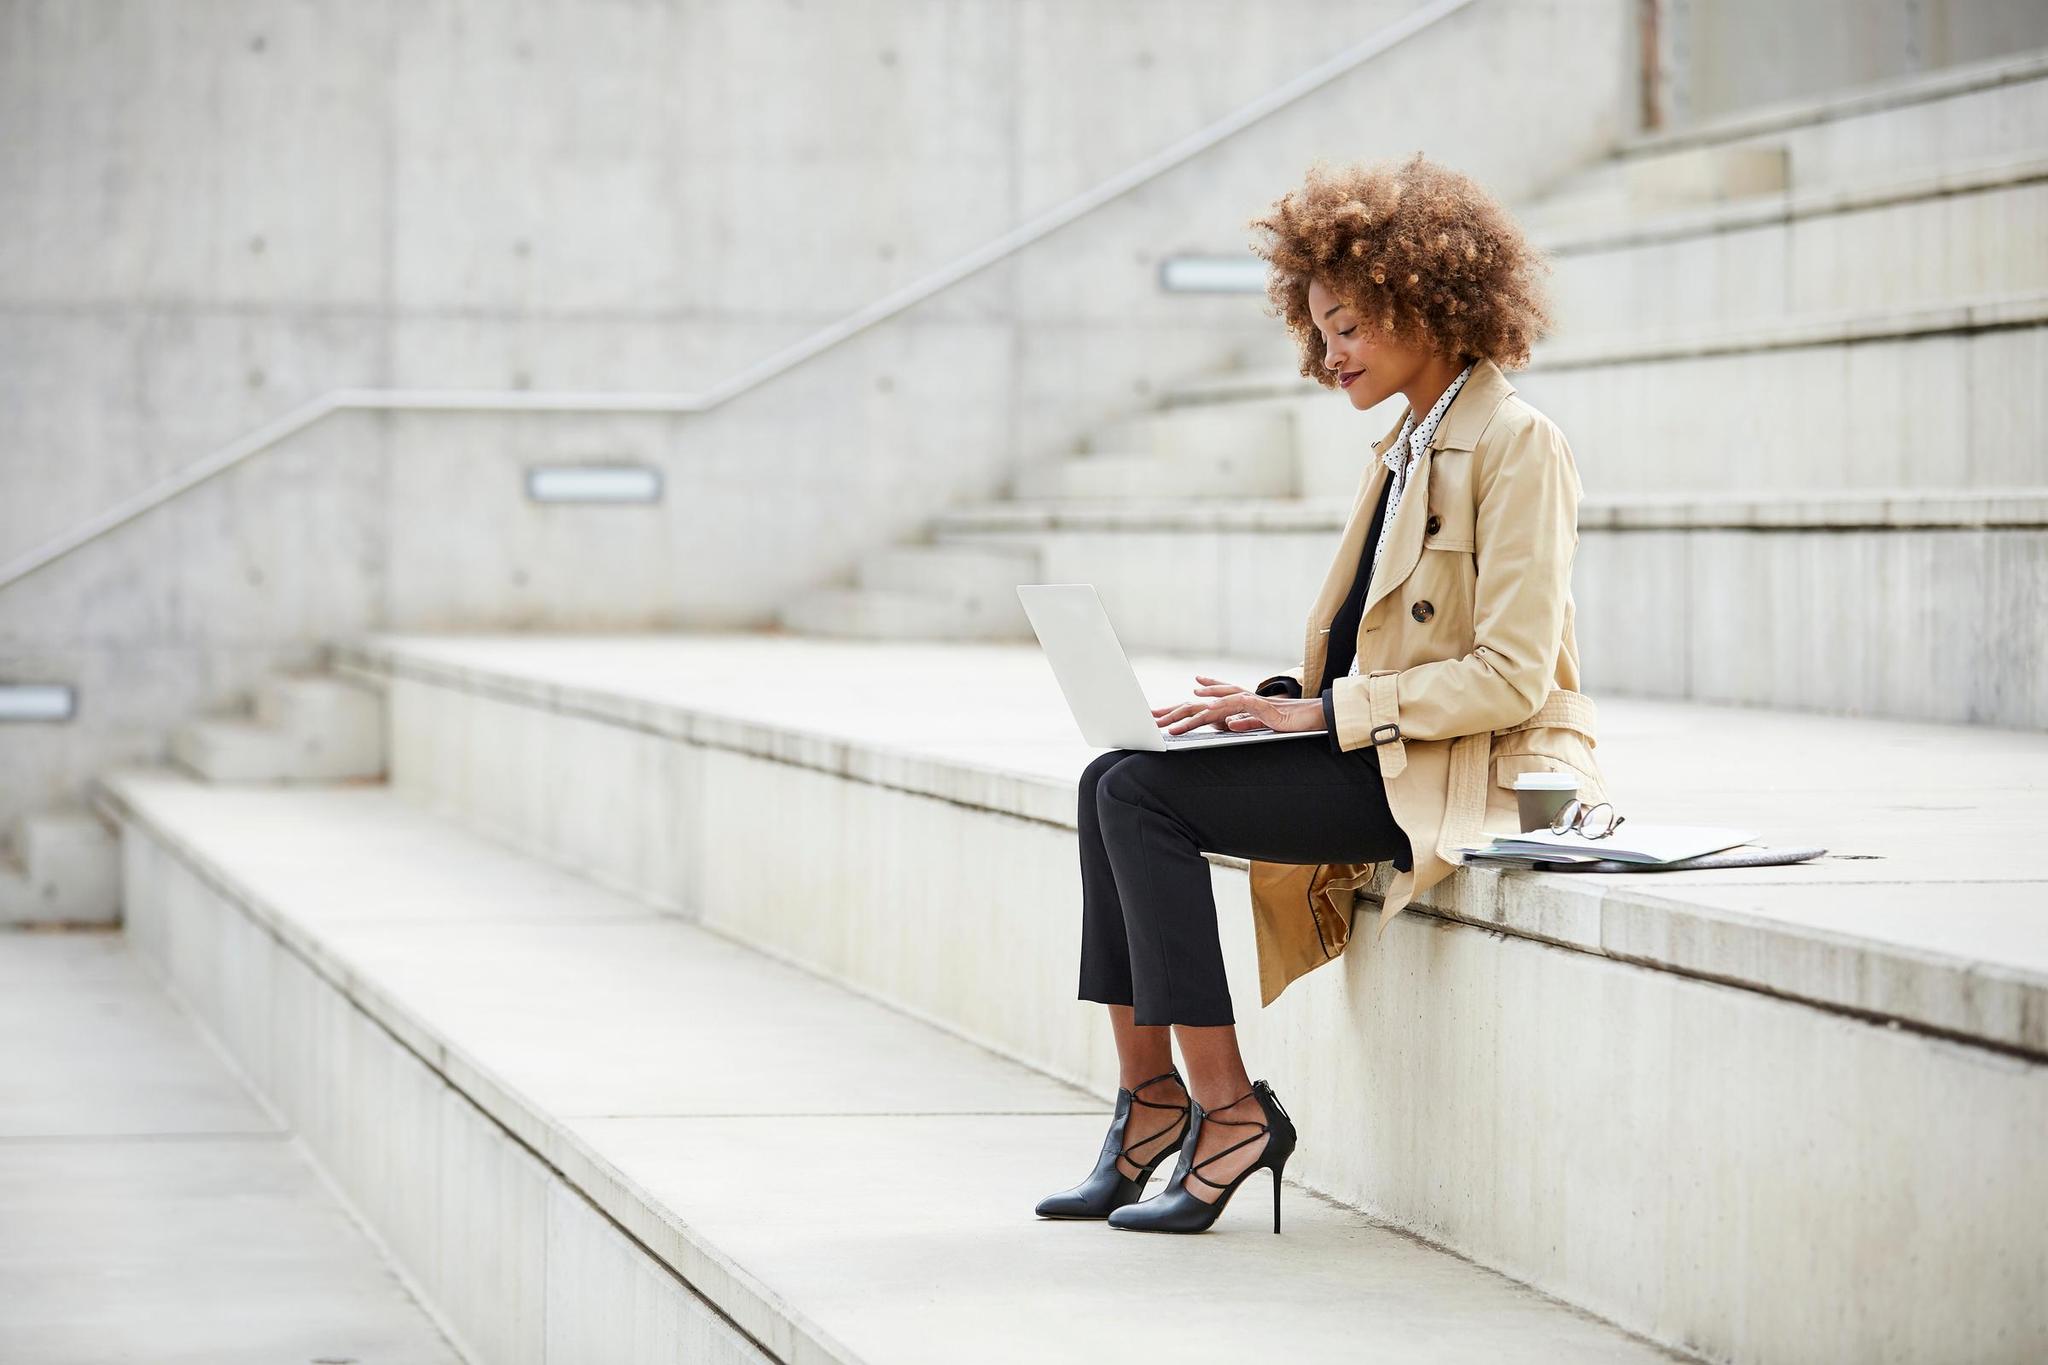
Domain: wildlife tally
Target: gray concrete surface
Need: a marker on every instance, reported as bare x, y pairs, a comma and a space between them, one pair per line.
841, 1181
150, 1209
1734, 55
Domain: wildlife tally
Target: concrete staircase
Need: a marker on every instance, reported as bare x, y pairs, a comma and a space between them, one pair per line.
644, 1017
958, 586
1799, 362
1961, 115
1787, 1115
63, 866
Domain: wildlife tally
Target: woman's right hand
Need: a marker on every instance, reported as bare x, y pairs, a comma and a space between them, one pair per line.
1205, 687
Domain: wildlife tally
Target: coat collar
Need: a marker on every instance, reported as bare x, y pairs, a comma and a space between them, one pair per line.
1486, 388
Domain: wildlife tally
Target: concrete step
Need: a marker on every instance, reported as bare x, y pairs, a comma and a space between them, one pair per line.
887, 614
1918, 242
1844, 403
1927, 623
307, 703
650, 1142
304, 728
987, 573
1901, 239
1838, 402
1814, 509
1686, 178
1247, 451
1269, 475
64, 870
1248, 436
1680, 597
229, 750
982, 523
1266, 378
1655, 1096
980, 582
1979, 112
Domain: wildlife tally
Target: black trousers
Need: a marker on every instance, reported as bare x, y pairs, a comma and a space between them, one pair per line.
1148, 916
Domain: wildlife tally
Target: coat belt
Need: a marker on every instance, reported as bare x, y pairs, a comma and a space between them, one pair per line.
1570, 710
1465, 803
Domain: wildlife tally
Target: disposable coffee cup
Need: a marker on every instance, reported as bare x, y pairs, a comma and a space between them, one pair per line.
1542, 795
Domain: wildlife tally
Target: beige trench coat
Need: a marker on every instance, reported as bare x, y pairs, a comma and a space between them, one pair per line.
1468, 669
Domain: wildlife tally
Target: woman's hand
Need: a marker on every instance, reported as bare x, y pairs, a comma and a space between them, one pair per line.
1230, 707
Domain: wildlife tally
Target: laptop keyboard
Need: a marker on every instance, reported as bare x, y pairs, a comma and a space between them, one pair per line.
1206, 733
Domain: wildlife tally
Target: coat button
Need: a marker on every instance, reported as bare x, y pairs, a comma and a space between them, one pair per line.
1434, 525
1422, 610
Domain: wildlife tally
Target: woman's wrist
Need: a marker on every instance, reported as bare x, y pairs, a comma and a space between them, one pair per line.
1304, 715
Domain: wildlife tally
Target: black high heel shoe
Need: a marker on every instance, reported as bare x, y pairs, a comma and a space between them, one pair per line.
1107, 1188
1173, 1209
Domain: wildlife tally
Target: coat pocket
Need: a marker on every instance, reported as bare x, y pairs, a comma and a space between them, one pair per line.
1548, 749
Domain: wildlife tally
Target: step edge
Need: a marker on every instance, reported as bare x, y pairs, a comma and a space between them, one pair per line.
1759, 211
1002, 791
1984, 313
1992, 508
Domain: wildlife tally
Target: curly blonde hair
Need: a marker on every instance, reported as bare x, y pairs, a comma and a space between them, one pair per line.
1416, 248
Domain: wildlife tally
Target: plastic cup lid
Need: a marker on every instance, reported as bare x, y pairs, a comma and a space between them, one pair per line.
1547, 782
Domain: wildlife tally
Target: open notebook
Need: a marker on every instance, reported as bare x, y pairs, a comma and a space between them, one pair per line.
1632, 843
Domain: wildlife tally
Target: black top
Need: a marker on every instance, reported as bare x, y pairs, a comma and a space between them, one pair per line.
1344, 627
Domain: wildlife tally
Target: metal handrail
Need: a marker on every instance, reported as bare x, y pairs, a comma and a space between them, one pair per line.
761, 371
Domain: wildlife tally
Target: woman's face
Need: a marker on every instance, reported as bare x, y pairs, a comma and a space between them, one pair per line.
1377, 365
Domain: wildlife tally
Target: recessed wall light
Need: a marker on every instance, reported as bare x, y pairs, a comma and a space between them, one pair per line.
619, 483
38, 701
1213, 275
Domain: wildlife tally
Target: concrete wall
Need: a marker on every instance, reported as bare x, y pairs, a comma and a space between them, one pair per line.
1719, 56
216, 213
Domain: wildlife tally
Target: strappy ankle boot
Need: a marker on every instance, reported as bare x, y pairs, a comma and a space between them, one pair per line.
1107, 1188
1174, 1209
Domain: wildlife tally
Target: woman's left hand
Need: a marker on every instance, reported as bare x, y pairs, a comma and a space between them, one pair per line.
1229, 707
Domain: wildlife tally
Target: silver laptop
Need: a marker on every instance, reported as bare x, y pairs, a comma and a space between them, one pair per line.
1096, 676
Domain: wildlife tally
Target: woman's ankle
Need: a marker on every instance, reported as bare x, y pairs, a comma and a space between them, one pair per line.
1150, 1080
1213, 1096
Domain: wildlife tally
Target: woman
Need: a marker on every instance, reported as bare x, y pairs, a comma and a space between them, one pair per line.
1443, 664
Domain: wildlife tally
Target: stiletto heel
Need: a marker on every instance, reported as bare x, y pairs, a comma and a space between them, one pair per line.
1174, 1209
1107, 1188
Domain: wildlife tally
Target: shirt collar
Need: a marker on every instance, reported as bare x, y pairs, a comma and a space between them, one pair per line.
1415, 439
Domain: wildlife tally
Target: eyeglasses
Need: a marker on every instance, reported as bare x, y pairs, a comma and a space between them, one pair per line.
1596, 821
